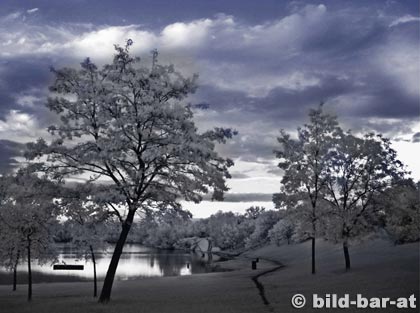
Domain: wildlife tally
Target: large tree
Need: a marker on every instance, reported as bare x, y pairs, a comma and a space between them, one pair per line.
124, 124
304, 162
359, 170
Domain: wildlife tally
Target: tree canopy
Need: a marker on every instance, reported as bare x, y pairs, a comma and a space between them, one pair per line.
125, 125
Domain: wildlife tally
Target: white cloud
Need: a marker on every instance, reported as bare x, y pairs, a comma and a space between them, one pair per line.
255, 169
181, 35
404, 19
26, 100
31, 11
12, 16
30, 97
408, 153
98, 44
16, 121
289, 32
207, 208
20, 127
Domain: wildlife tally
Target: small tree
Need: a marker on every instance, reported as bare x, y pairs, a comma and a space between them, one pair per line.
87, 219
254, 212
220, 227
11, 247
282, 230
359, 170
304, 162
263, 224
125, 124
400, 206
165, 230
28, 215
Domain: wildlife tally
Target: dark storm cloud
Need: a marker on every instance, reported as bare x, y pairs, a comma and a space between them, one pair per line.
280, 105
9, 150
249, 148
245, 197
416, 137
19, 78
358, 107
381, 98
261, 65
153, 13
164, 11
340, 55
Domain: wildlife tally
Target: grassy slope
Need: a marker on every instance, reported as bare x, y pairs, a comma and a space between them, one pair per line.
379, 269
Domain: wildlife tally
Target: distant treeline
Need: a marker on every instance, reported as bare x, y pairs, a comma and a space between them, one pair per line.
396, 215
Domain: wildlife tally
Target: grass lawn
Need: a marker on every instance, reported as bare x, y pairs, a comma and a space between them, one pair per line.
380, 269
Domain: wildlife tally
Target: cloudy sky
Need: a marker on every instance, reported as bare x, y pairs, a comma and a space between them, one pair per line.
262, 65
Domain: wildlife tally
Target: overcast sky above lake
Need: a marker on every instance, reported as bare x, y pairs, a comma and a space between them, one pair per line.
262, 65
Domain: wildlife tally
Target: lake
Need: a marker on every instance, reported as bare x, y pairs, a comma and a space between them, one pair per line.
136, 262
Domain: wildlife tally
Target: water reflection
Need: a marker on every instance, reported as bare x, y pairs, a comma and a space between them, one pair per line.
135, 262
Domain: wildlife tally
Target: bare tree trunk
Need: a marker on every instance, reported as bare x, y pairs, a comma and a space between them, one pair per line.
313, 237
209, 250
29, 270
14, 278
313, 255
95, 286
210, 245
110, 274
346, 253
15, 271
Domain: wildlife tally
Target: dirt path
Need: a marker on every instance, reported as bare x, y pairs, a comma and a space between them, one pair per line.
260, 286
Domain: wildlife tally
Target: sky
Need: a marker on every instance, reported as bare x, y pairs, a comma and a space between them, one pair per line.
262, 66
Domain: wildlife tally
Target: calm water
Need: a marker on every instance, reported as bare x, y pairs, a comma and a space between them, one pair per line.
136, 261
